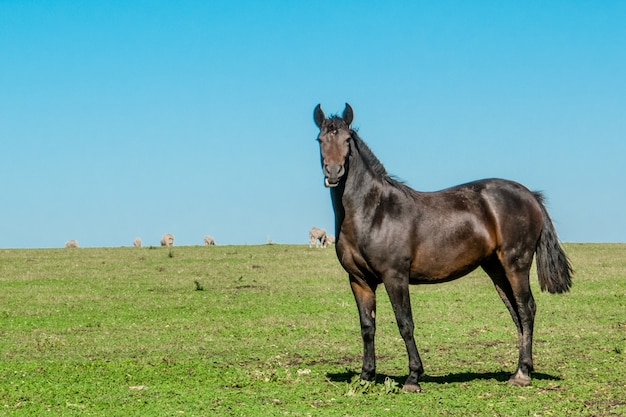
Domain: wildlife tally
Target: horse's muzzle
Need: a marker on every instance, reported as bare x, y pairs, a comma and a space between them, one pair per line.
333, 174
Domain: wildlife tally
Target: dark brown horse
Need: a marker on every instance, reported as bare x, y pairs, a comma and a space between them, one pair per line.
391, 234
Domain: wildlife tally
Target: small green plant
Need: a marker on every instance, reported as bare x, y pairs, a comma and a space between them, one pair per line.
199, 286
357, 386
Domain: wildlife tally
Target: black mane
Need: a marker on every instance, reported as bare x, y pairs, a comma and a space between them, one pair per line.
374, 164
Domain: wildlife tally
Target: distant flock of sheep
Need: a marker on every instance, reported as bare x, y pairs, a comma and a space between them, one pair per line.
317, 237
166, 240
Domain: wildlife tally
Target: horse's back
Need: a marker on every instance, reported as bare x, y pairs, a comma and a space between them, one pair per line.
496, 199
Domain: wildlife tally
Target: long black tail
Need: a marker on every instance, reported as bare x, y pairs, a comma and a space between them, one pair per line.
553, 267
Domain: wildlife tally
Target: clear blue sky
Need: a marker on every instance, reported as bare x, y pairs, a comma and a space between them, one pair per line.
124, 119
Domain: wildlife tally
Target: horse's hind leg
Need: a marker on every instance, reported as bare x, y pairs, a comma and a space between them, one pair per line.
365, 297
514, 289
398, 291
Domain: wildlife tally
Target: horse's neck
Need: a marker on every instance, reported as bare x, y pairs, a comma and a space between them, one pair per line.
362, 176
349, 197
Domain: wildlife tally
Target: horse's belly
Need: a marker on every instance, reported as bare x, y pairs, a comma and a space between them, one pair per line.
434, 276
447, 264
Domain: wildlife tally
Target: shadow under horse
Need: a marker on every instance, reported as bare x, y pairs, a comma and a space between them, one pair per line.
387, 233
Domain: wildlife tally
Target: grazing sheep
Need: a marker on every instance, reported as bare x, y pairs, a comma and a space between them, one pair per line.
317, 236
209, 241
330, 239
137, 242
71, 244
167, 240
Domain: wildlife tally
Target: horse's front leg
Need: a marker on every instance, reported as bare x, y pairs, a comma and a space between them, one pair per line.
365, 296
398, 289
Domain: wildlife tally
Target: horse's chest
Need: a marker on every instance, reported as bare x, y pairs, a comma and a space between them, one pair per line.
352, 260
369, 263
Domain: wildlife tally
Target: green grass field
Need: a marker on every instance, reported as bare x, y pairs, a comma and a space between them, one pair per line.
273, 330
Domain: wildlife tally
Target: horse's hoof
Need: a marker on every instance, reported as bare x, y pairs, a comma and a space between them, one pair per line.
368, 376
412, 388
519, 380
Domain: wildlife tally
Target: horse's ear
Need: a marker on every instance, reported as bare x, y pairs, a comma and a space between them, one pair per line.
348, 115
319, 116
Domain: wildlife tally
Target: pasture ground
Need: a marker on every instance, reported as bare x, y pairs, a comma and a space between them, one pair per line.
273, 330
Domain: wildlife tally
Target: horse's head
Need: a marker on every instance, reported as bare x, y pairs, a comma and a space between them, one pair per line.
334, 143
